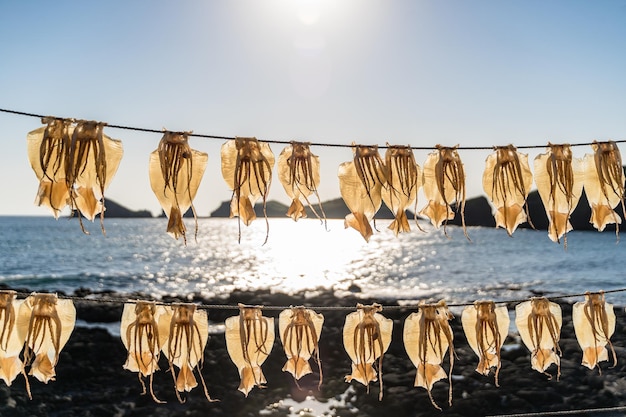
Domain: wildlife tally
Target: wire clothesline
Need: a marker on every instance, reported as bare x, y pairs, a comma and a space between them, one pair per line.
319, 308
285, 142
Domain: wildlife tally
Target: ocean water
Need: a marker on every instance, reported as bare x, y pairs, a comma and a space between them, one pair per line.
41, 253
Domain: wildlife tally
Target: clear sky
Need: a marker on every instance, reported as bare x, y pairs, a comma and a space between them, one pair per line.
418, 72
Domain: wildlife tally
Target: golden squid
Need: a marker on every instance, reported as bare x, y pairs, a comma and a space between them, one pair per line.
184, 332
11, 341
45, 323
404, 178
299, 173
486, 327
559, 179
427, 338
366, 338
539, 324
247, 169
444, 183
142, 339
300, 330
249, 340
92, 161
604, 184
175, 174
507, 180
360, 183
48, 149
594, 324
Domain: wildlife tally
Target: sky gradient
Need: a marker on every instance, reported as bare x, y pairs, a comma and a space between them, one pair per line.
413, 72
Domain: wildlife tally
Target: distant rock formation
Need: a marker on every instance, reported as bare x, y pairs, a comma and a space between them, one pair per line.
114, 209
478, 212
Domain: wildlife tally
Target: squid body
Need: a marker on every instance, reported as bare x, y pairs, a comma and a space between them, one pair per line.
11, 341
486, 327
249, 340
175, 174
444, 183
247, 169
300, 330
594, 324
427, 338
604, 184
360, 183
404, 178
539, 324
559, 180
507, 180
45, 323
366, 338
299, 173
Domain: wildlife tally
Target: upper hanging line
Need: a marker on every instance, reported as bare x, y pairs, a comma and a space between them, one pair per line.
287, 142
318, 308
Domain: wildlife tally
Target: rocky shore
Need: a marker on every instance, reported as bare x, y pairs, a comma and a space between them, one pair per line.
91, 381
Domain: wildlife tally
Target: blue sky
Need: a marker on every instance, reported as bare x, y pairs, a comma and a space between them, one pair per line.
473, 73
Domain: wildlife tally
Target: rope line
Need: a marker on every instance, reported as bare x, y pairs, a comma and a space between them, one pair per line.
317, 308
287, 142
563, 412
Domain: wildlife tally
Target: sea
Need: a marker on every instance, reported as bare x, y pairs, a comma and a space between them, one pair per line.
300, 258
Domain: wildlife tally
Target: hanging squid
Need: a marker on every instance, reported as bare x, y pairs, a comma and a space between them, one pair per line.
142, 339
11, 341
604, 184
404, 178
594, 324
247, 169
559, 179
486, 327
184, 332
300, 330
360, 183
539, 324
92, 161
45, 323
427, 338
48, 149
249, 340
444, 183
299, 173
175, 174
366, 338
507, 180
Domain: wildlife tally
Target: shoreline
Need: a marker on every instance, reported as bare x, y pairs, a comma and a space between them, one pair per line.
91, 380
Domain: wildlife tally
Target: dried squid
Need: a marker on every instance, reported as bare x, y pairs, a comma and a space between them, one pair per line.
444, 183
48, 149
360, 183
300, 330
366, 338
92, 161
539, 324
559, 179
249, 340
404, 178
11, 341
247, 169
604, 184
594, 324
427, 338
175, 174
507, 180
142, 339
299, 173
45, 323
184, 332
486, 327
